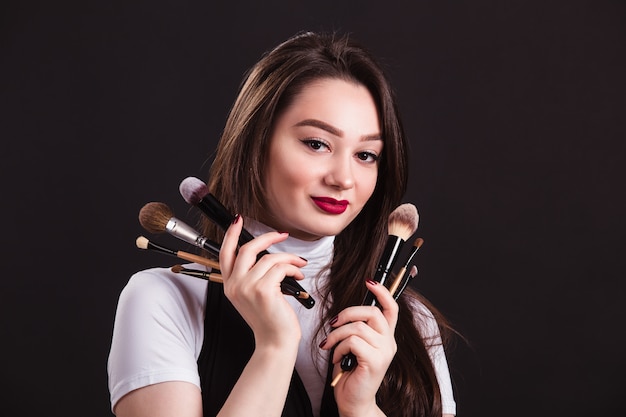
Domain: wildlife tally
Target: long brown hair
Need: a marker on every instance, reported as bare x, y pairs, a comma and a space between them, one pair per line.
410, 387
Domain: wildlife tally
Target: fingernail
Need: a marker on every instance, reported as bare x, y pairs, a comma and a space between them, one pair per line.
323, 342
304, 259
236, 218
333, 320
372, 282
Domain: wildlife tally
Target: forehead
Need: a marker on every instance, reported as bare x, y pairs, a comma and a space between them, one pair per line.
343, 104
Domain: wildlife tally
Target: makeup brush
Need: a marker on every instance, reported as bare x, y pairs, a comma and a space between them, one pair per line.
348, 362
196, 193
157, 218
216, 276
210, 276
402, 223
404, 282
143, 243
400, 277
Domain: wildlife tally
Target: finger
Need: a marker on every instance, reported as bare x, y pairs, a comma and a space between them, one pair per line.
360, 348
259, 285
228, 250
387, 304
373, 316
251, 250
270, 261
246, 265
358, 329
276, 274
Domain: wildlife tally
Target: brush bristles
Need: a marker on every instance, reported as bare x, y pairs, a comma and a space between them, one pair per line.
193, 190
418, 243
403, 221
154, 217
142, 242
413, 272
177, 268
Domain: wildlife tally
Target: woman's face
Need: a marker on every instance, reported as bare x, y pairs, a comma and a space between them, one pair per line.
323, 159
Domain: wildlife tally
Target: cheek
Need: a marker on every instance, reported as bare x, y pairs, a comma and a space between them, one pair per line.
367, 187
287, 172
370, 179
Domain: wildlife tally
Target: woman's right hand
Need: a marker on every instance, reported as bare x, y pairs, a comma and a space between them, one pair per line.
253, 287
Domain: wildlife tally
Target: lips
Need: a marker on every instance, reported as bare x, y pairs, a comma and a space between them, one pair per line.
330, 205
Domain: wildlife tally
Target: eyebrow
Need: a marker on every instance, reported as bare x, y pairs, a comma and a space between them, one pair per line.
331, 129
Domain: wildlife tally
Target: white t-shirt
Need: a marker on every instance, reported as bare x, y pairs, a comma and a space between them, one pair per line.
159, 327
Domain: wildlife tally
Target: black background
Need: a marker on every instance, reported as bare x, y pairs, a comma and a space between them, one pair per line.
516, 115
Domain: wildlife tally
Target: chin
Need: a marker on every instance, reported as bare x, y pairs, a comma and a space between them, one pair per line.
316, 232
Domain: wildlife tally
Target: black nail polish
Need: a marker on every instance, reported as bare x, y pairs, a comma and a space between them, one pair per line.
236, 218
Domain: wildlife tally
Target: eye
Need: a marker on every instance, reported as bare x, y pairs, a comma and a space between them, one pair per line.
316, 144
366, 156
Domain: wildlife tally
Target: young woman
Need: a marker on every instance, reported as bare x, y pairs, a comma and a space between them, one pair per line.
314, 159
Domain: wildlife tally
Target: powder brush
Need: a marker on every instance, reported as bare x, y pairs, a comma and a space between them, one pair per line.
157, 217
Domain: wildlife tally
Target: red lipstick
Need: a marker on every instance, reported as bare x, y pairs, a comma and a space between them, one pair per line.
330, 205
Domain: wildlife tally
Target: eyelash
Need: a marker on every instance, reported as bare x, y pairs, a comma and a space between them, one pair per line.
315, 142
311, 142
368, 155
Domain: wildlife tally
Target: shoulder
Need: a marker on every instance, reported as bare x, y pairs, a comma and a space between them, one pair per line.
158, 288
157, 299
158, 331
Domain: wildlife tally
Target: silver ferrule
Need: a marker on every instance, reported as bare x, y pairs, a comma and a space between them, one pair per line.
183, 231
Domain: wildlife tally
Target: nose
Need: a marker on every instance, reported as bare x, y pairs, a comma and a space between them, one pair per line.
340, 175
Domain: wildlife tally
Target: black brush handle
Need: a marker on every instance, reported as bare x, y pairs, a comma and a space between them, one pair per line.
385, 265
216, 211
387, 260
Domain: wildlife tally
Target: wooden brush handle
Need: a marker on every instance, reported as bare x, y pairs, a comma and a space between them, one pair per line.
198, 259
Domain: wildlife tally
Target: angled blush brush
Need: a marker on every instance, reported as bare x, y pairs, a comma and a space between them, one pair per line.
157, 218
195, 192
143, 243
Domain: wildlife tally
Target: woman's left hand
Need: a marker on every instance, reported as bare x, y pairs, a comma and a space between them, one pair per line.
368, 333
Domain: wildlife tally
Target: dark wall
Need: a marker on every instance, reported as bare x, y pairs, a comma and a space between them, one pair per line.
516, 115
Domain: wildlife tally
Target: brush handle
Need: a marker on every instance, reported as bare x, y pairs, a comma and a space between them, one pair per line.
209, 276
198, 259
402, 286
217, 213
385, 264
212, 247
183, 231
396, 283
220, 215
184, 255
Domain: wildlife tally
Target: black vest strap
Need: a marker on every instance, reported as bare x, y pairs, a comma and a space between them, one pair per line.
227, 347
329, 405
